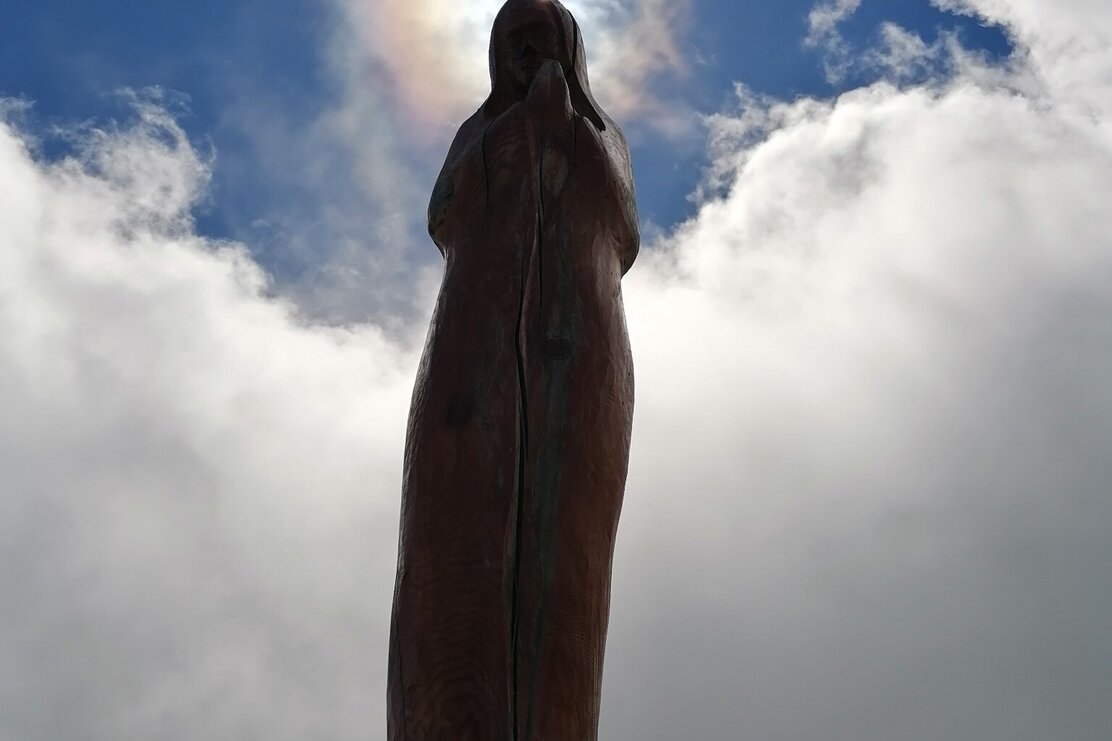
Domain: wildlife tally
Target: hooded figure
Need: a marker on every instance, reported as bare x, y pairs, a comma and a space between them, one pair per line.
519, 430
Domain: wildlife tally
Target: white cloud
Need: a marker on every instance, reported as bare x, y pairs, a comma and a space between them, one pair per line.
904, 55
824, 18
869, 487
1069, 46
402, 76
823, 34
198, 490
868, 464
431, 55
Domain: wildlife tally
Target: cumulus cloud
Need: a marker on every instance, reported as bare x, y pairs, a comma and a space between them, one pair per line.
1069, 48
868, 495
891, 335
197, 488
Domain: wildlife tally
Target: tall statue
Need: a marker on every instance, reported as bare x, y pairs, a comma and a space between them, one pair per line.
519, 431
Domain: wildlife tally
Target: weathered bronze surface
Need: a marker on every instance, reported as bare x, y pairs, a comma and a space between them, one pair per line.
519, 431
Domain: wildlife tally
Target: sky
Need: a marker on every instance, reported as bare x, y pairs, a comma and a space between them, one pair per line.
869, 491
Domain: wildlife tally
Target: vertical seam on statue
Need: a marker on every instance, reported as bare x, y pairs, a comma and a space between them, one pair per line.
486, 165
540, 236
540, 324
401, 681
523, 452
523, 438
522, 456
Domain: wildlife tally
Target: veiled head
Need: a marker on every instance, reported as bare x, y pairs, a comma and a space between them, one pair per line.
527, 33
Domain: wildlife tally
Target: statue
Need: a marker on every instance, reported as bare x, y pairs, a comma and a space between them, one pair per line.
519, 431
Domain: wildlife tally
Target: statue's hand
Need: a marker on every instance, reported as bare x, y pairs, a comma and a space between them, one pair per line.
549, 95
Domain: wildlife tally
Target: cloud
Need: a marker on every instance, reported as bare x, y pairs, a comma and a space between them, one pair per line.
824, 18
1069, 47
351, 179
890, 339
431, 55
868, 495
868, 467
823, 34
904, 55
198, 488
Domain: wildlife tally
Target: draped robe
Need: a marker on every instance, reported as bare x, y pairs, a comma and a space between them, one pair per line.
519, 430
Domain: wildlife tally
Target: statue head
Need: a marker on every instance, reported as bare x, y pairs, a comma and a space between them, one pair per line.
527, 33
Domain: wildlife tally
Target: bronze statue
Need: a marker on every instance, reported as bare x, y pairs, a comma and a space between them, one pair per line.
518, 439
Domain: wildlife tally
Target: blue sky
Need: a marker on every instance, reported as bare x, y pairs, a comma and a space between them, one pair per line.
868, 486
219, 56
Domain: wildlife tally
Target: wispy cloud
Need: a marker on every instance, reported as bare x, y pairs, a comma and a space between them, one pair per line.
824, 18
823, 34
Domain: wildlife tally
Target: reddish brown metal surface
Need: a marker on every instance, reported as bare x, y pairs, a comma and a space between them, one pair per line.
519, 431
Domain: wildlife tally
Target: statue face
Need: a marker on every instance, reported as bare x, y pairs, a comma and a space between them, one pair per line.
528, 35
